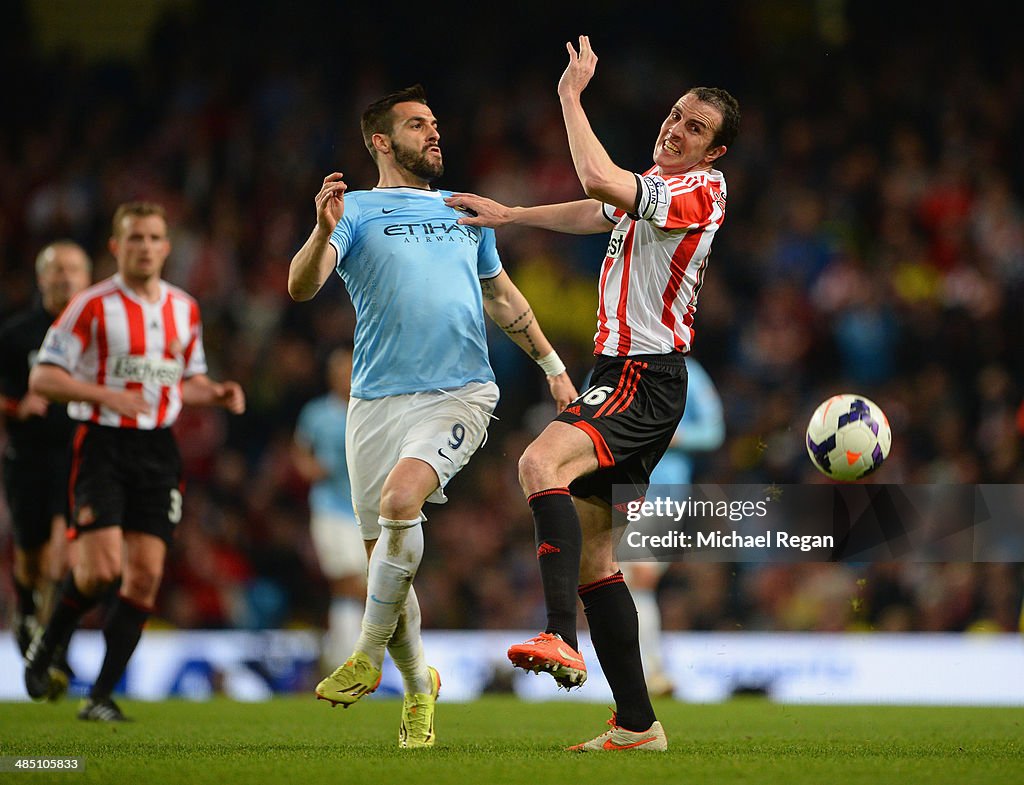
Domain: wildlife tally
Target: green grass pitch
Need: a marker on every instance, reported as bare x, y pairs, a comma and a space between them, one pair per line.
503, 740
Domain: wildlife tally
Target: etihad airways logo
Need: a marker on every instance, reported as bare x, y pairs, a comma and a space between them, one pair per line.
433, 232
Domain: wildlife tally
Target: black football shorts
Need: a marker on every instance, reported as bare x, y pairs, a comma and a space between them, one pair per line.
630, 412
125, 477
36, 485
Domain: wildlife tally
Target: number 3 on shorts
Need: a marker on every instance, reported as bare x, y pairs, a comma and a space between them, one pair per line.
174, 511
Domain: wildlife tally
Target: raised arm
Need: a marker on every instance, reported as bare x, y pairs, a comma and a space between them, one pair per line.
507, 306
600, 177
313, 262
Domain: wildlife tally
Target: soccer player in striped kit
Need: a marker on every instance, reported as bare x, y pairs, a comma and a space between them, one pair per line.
662, 224
126, 355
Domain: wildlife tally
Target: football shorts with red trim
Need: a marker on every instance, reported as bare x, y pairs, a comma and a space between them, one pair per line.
630, 412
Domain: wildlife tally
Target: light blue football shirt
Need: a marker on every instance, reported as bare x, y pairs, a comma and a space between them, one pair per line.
414, 275
321, 428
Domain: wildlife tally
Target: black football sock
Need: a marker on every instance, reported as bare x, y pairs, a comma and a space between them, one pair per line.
557, 527
611, 615
122, 633
70, 607
25, 597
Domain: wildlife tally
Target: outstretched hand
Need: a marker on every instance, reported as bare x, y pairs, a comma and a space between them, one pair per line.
579, 71
479, 210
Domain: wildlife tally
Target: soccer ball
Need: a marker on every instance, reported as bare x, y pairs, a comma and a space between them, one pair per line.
848, 437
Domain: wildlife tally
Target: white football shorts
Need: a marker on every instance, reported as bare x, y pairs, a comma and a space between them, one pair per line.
338, 544
442, 428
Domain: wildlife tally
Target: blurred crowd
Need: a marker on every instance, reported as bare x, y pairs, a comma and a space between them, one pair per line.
874, 243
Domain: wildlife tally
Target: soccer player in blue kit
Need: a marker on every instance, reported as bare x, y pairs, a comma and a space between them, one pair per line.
318, 452
422, 386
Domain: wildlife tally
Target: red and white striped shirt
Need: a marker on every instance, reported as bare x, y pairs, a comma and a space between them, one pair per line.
654, 266
108, 335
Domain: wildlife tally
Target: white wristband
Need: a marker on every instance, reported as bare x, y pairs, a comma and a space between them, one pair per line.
552, 364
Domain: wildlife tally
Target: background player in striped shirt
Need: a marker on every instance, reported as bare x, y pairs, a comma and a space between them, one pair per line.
36, 456
662, 226
126, 354
422, 387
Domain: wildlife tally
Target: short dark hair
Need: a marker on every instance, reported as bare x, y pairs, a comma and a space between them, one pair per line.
728, 106
138, 210
377, 119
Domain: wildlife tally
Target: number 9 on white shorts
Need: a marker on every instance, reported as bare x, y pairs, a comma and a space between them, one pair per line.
442, 428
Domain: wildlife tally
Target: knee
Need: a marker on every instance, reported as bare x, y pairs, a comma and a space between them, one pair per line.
95, 578
399, 503
536, 470
140, 585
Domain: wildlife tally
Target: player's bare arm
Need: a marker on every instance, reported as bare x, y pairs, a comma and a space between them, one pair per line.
579, 217
313, 262
600, 177
306, 464
56, 384
31, 405
509, 309
201, 390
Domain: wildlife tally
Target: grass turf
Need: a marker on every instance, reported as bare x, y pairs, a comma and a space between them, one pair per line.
502, 740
